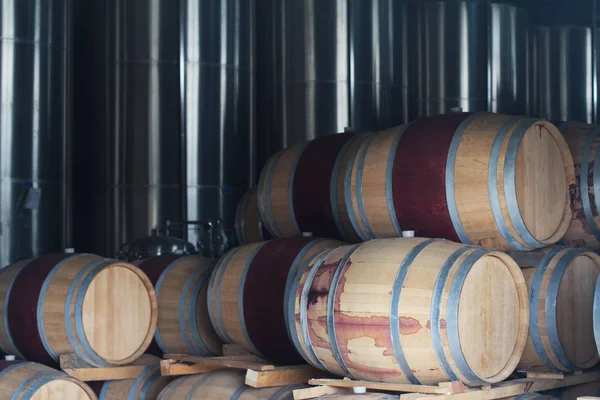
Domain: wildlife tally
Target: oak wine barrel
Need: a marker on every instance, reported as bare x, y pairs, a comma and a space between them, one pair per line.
493, 180
583, 140
301, 189
561, 291
102, 310
247, 290
223, 385
419, 311
181, 286
591, 389
531, 396
248, 226
145, 387
21, 380
8, 275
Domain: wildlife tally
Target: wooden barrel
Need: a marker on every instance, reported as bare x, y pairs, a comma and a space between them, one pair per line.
561, 283
145, 387
222, 385
591, 389
299, 189
583, 140
418, 311
181, 285
246, 294
8, 275
494, 180
248, 226
102, 310
532, 396
366, 396
21, 380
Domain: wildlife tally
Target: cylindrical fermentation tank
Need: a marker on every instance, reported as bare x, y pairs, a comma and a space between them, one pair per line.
33, 127
327, 65
563, 73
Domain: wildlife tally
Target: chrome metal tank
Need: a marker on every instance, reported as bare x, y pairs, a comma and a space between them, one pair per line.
327, 65
34, 112
564, 74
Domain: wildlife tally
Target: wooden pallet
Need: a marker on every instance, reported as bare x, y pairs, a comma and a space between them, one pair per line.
259, 373
74, 366
452, 390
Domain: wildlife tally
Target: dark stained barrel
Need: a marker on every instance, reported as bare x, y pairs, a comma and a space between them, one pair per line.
493, 180
181, 286
591, 389
247, 290
299, 189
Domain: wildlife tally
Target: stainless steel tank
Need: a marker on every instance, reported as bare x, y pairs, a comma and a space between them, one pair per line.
127, 176
33, 127
219, 111
508, 55
564, 74
324, 65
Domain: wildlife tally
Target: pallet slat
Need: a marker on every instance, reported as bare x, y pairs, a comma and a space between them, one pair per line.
282, 376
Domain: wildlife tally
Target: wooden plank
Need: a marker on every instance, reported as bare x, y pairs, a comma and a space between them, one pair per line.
239, 362
176, 368
283, 376
79, 369
393, 387
545, 375
318, 391
235, 350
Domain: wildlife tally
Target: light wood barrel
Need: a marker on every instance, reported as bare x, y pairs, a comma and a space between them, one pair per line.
299, 189
583, 141
102, 310
222, 385
248, 226
247, 290
145, 387
21, 380
418, 311
561, 290
181, 286
494, 180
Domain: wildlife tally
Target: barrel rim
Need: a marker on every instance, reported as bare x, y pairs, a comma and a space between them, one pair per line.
240, 216
264, 184
214, 285
20, 265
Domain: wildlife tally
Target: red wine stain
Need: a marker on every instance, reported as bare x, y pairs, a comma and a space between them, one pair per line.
409, 326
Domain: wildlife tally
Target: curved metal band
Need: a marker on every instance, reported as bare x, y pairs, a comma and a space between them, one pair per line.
236, 395
551, 317
389, 179
436, 301
359, 191
171, 387
140, 380
6, 325
335, 349
510, 184
70, 302
534, 293
395, 309
333, 186
216, 280
294, 271
311, 358
452, 317
282, 390
291, 190
78, 314
266, 178
596, 317
148, 384
583, 182
104, 390
493, 185
241, 297
450, 169
199, 382
348, 193
26, 392
40, 309
192, 293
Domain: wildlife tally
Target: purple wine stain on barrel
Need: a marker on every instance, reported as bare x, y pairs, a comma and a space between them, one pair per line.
263, 299
419, 176
22, 308
153, 267
311, 186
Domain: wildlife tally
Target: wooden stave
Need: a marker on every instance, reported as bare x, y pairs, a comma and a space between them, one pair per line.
37, 278
370, 396
434, 210
544, 350
22, 378
582, 139
8, 275
249, 232
196, 340
300, 330
239, 265
145, 387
